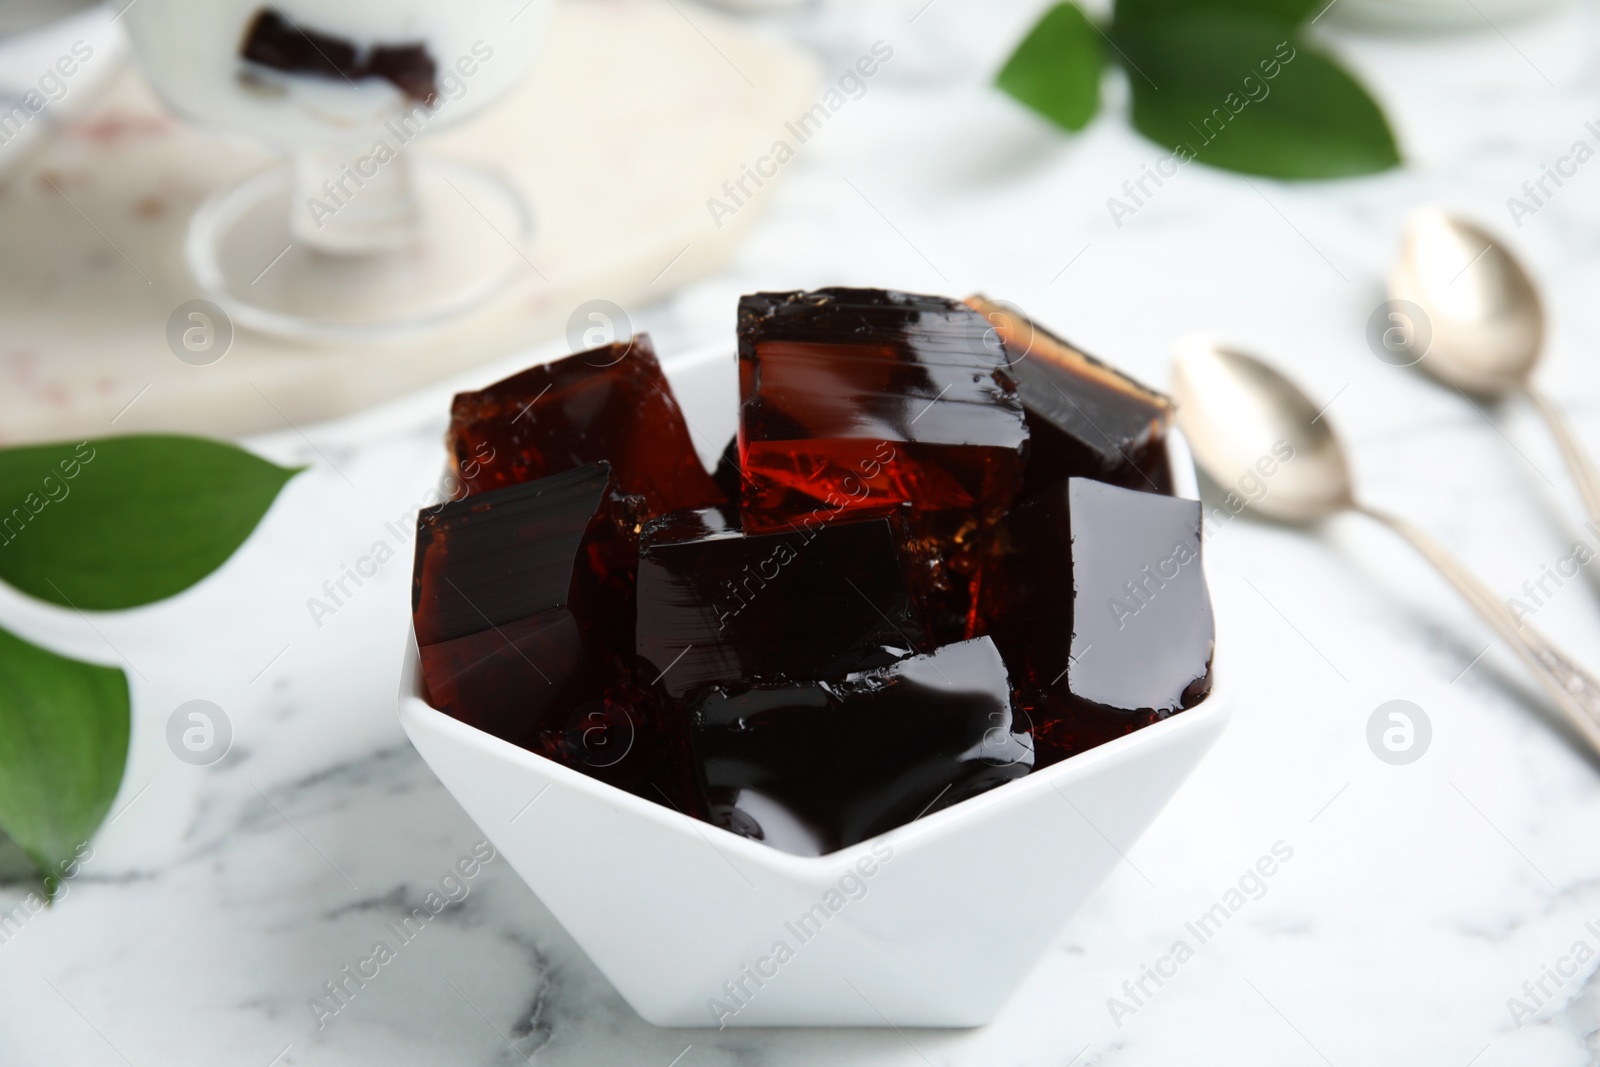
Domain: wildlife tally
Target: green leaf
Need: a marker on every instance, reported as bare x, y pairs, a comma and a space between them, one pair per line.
15, 865
1130, 14
63, 745
1056, 68
1201, 83
122, 521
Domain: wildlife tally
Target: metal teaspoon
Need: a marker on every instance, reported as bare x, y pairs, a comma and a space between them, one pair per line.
1233, 409
1486, 323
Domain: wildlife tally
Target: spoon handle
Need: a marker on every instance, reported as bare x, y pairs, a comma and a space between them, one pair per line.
1574, 690
1578, 463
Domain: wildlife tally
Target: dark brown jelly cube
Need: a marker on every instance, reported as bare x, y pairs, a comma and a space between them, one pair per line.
1085, 419
273, 41
498, 582
719, 605
853, 399
813, 767
1103, 614
611, 404
941, 552
521, 601
949, 556
728, 476
408, 67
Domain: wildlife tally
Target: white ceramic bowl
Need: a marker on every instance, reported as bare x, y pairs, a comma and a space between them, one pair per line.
931, 924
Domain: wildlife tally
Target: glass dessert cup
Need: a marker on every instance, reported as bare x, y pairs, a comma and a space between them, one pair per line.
353, 238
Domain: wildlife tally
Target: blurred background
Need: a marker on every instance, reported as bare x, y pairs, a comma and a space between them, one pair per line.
1433, 911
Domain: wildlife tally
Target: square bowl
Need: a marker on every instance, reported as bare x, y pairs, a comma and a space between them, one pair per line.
697, 926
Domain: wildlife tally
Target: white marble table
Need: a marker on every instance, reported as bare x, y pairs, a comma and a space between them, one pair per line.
1418, 899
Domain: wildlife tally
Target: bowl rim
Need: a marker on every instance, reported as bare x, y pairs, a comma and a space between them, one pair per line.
1212, 713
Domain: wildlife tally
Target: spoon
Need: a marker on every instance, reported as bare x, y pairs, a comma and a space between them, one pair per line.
1485, 323
1235, 411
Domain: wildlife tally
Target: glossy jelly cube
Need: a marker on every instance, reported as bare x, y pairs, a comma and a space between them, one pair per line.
719, 605
521, 602
728, 476
949, 557
853, 399
609, 404
498, 578
1103, 613
812, 767
1085, 419
943, 553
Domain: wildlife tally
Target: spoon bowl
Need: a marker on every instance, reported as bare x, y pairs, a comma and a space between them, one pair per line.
1479, 324
1241, 416
1483, 315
